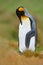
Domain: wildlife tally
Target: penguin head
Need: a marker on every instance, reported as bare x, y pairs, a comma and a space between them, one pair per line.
20, 12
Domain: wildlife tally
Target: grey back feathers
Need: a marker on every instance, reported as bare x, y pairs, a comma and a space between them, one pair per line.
34, 28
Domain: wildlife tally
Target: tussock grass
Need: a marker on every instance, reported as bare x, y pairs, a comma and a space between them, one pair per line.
29, 53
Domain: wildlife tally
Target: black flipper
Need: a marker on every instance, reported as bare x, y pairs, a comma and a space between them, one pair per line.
28, 37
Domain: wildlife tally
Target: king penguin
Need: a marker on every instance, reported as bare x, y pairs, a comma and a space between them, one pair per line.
27, 35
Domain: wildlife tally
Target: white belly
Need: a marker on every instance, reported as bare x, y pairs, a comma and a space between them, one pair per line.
23, 29
32, 44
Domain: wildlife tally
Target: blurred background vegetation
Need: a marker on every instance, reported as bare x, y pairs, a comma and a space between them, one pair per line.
9, 21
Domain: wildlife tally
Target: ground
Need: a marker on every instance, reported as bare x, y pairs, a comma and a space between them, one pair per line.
10, 56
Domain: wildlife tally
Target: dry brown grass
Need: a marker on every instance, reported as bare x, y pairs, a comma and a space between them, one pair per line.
12, 57
13, 44
31, 54
27, 53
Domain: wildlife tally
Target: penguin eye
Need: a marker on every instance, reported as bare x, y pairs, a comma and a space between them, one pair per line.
21, 9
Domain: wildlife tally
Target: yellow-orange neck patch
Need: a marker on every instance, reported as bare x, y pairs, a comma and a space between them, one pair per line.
24, 18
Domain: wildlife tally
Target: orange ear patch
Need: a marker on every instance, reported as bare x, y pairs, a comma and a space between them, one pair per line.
21, 9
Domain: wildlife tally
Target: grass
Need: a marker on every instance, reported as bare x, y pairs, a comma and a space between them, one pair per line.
9, 21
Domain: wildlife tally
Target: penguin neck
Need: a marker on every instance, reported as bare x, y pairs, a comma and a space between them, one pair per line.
25, 20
